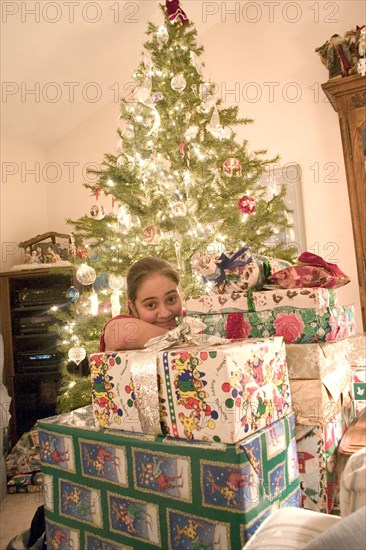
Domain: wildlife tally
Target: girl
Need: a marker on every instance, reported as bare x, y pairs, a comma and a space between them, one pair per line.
153, 303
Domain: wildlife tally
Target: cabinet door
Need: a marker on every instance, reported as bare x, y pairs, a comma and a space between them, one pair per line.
357, 194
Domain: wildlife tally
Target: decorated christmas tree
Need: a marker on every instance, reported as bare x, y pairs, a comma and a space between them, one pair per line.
178, 183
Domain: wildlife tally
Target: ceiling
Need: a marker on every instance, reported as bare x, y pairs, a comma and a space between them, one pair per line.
62, 61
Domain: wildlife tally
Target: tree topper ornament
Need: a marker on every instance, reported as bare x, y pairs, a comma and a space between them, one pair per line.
175, 12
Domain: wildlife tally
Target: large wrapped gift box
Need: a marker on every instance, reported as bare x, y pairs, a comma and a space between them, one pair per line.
357, 357
117, 490
317, 457
218, 393
262, 300
319, 380
295, 325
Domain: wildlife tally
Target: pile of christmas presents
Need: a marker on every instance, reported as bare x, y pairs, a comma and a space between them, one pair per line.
193, 446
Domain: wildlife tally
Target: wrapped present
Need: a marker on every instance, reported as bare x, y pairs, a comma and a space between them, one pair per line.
322, 361
261, 300
25, 483
236, 270
357, 349
357, 358
222, 393
316, 272
317, 457
22, 463
296, 326
358, 389
106, 488
317, 401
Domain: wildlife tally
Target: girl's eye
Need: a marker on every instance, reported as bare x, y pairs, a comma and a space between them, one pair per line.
150, 305
172, 299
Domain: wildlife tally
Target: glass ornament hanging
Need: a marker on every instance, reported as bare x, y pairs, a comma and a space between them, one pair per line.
178, 209
116, 283
152, 234
178, 83
72, 294
232, 167
97, 212
246, 205
86, 275
77, 354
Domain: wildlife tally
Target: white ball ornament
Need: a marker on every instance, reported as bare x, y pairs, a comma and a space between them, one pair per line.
97, 212
178, 83
116, 282
86, 275
178, 209
77, 354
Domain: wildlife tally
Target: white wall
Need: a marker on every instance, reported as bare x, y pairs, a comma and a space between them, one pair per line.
274, 52
22, 198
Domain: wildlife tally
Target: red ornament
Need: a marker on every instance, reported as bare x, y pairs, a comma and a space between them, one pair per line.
246, 205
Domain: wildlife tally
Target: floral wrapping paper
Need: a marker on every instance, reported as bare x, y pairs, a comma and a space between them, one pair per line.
106, 489
357, 349
317, 457
296, 326
322, 361
261, 300
219, 393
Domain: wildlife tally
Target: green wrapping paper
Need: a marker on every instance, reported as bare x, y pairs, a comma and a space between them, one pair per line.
108, 489
296, 326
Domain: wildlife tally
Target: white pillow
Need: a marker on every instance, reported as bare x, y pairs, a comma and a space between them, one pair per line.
290, 529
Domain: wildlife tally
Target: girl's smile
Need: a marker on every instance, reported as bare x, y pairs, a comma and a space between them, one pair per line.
158, 301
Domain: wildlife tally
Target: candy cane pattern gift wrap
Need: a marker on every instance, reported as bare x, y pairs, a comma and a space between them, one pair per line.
218, 393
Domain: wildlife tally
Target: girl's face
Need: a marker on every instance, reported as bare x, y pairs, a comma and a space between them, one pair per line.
158, 301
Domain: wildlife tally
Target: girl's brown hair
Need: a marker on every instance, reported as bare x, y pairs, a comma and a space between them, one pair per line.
144, 268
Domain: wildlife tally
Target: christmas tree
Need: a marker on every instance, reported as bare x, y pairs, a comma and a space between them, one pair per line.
179, 182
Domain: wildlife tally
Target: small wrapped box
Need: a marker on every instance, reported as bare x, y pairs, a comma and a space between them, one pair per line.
262, 300
118, 490
296, 326
357, 358
317, 401
320, 361
212, 393
317, 457
319, 380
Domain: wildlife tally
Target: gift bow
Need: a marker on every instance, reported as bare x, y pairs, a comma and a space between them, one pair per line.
224, 263
188, 332
144, 373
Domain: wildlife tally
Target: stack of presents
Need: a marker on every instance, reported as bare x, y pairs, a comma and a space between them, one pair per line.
192, 446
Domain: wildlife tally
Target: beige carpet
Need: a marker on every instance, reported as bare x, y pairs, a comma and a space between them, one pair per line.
16, 514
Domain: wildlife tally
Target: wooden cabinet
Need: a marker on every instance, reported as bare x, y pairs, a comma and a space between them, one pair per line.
31, 361
348, 97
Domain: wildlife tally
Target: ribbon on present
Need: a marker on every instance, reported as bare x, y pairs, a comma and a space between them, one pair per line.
144, 373
187, 333
225, 263
144, 378
307, 258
